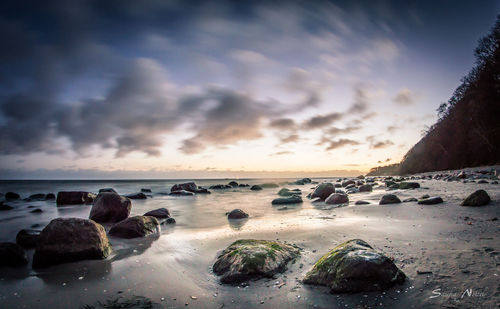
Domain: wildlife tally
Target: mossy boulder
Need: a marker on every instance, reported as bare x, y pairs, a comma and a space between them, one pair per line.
247, 259
354, 266
478, 198
138, 226
294, 199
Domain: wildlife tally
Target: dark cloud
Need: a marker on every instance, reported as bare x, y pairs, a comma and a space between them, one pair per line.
283, 123
382, 144
341, 143
322, 121
361, 103
337, 131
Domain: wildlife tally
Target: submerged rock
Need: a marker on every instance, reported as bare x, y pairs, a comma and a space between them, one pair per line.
138, 226
354, 266
233, 184
269, 185
287, 200
323, 191
431, 200
188, 186
337, 198
38, 196
389, 199
75, 198
361, 203
70, 239
12, 255
36, 211
146, 190
253, 259
181, 193
137, 196
408, 185
237, 214
220, 187
5, 206
256, 188
160, 213
27, 238
288, 192
365, 188
110, 207
410, 199
478, 198
50, 196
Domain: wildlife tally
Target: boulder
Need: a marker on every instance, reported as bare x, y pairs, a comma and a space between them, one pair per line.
66, 240
294, 199
389, 199
482, 181
188, 186
337, 198
256, 188
36, 211
408, 185
138, 226
220, 187
75, 198
50, 196
243, 185
478, 198
431, 200
168, 221
27, 238
137, 196
146, 190
253, 259
160, 213
323, 191
12, 255
365, 188
107, 190
5, 206
110, 207
181, 193
361, 203
348, 182
233, 184
12, 196
288, 192
354, 266
237, 214
202, 191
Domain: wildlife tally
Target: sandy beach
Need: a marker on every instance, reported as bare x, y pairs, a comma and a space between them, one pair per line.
449, 253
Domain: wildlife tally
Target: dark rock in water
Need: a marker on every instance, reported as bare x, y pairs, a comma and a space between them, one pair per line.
145, 190
247, 259
220, 187
365, 188
348, 182
494, 182
431, 200
482, 181
394, 186
12, 196
337, 198
409, 185
237, 214
288, 192
181, 193
137, 196
38, 196
361, 203
36, 211
410, 199
425, 196
168, 221
478, 198
188, 186
12, 255
111, 190
350, 186
5, 207
233, 184
202, 191
66, 240
50, 196
323, 191
243, 185
269, 185
389, 199
160, 213
138, 226
302, 181
389, 183
338, 185
27, 238
75, 198
256, 188
354, 266
294, 199
110, 207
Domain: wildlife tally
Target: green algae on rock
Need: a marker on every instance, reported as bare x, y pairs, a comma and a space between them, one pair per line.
354, 266
248, 259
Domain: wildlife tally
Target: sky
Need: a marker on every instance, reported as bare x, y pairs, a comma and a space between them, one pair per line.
207, 89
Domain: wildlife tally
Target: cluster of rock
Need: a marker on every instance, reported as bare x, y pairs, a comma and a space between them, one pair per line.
353, 266
483, 176
188, 188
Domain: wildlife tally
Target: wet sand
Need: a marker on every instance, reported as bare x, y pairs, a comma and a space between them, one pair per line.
449, 253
